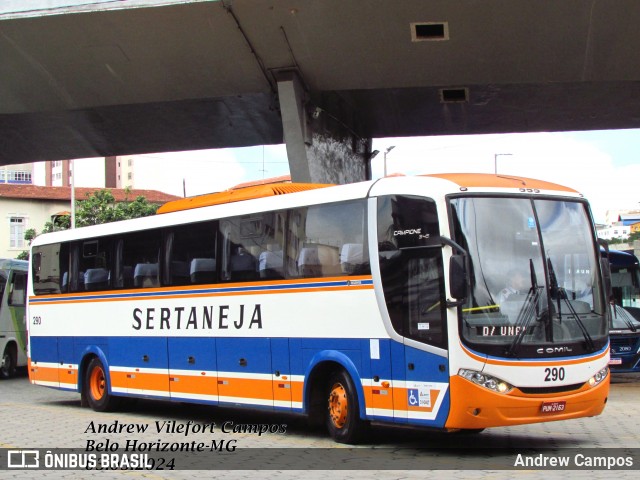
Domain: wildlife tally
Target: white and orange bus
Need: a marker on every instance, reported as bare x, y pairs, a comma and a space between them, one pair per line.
386, 301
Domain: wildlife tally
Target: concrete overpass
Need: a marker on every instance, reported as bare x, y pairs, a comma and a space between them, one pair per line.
97, 78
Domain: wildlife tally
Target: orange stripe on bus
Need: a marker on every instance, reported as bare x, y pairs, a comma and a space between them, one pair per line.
201, 385
379, 397
43, 374
240, 388
141, 293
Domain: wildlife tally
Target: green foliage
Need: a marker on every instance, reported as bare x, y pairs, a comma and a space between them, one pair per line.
634, 236
30, 234
99, 207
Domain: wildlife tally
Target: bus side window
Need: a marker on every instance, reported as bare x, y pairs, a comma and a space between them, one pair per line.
140, 255
48, 265
253, 247
328, 240
95, 265
17, 295
190, 254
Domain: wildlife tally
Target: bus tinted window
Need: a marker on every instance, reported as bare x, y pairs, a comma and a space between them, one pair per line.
327, 240
412, 279
50, 269
94, 265
191, 254
140, 252
17, 294
253, 246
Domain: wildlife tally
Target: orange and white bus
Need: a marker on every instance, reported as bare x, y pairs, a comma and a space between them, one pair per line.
385, 301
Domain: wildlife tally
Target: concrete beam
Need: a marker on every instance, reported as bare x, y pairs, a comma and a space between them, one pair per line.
321, 146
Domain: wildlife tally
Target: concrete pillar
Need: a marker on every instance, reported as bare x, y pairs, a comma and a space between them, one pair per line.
322, 146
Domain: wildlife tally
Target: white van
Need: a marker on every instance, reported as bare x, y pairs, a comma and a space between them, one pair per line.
13, 333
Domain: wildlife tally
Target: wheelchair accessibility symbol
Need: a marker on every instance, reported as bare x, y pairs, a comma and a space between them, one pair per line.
413, 397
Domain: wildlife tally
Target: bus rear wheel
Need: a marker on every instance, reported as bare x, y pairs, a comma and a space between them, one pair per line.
343, 414
96, 390
8, 368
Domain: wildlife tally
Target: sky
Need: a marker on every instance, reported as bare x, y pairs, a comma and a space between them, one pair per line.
602, 165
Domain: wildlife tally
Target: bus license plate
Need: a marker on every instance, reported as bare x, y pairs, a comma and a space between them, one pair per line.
615, 361
553, 407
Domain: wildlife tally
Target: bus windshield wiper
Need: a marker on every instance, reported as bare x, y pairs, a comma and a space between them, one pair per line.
629, 324
561, 294
528, 311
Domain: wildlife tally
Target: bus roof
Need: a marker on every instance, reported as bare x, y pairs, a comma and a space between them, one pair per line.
275, 197
13, 264
238, 195
499, 181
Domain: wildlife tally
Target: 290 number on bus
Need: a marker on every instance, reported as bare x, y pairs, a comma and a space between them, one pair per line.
553, 374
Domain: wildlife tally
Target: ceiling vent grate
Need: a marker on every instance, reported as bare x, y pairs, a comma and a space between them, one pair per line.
454, 95
429, 31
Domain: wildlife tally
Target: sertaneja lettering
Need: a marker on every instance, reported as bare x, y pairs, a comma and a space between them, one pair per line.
207, 317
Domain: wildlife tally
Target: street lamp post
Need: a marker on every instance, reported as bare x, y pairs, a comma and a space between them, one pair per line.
495, 160
385, 158
73, 195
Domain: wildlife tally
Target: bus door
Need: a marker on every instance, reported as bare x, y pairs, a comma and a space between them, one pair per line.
426, 363
193, 369
244, 371
411, 273
281, 371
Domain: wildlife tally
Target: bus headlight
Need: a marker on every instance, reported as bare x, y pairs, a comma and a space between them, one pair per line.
599, 377
487, 381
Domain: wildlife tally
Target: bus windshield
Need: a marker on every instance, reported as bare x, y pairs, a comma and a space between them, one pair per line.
534, 277
625, 281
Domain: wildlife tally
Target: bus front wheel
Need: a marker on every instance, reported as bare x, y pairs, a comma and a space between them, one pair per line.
95, 390
8, 368
343, 414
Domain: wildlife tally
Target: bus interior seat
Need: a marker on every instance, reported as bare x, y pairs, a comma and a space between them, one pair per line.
351, 257
146, 275
203, 270
96, 278
271, 263
242, 266
318, 261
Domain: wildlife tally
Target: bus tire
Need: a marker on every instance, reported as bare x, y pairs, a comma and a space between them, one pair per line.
96, 389
343, 413
9, 361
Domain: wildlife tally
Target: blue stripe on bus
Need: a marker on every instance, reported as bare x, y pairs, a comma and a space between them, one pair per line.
262, 355
201, 291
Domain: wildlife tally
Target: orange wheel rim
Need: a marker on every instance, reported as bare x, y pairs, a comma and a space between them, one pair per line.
97, 383
338, 405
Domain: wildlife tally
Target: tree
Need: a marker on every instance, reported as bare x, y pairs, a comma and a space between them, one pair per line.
99, 207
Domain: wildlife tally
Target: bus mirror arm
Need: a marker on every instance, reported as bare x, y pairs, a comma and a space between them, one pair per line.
458, 268
605, 267
458, 273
